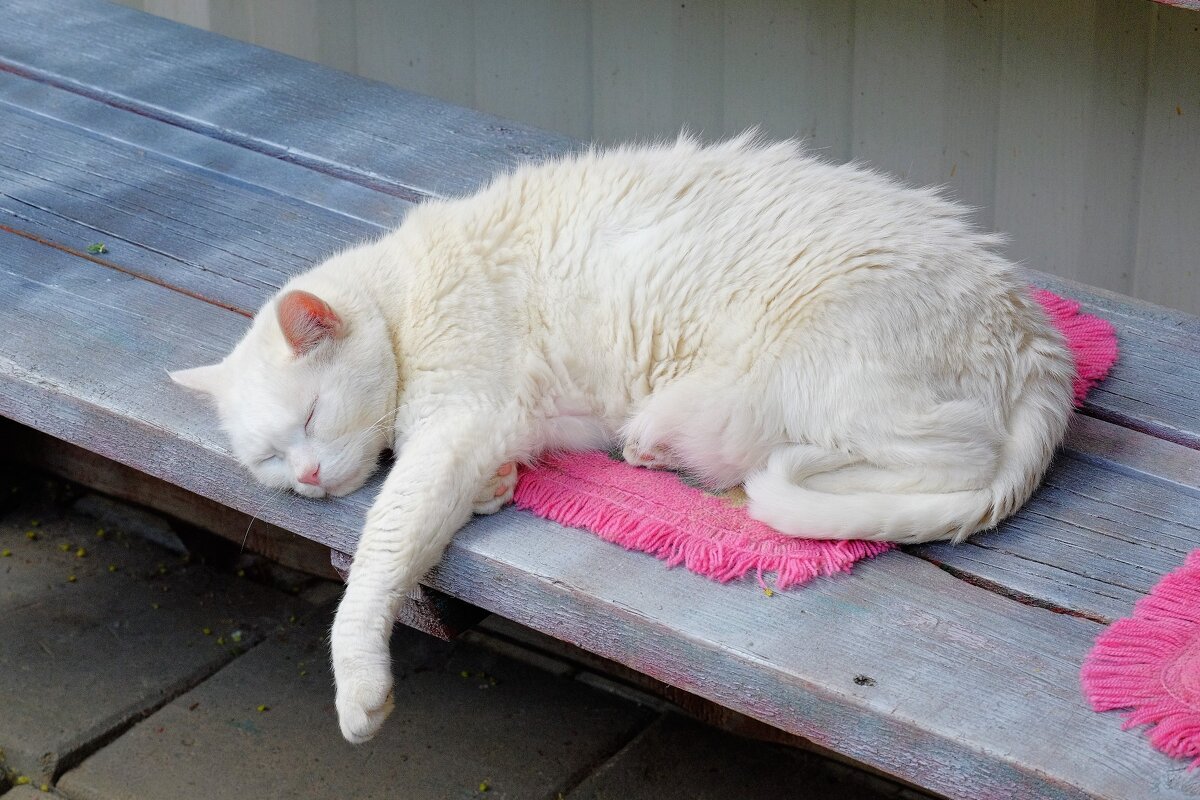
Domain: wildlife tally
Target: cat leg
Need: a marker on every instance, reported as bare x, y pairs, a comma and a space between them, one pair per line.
498, 491
426, 498
702, 424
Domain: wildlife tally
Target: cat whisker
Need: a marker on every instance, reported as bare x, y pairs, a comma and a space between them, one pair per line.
258, 510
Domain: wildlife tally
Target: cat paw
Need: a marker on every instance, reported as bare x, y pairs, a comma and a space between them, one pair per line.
364, 700
656, 457
497, 492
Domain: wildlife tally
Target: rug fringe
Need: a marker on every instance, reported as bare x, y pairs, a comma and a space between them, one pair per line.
1128, 668
719, 561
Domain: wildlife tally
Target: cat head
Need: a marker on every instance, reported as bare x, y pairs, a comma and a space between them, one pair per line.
307, 396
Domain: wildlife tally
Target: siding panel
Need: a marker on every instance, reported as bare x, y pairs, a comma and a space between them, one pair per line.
1168, 243
788, 70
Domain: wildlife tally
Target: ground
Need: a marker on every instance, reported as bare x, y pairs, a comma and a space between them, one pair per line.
140, 659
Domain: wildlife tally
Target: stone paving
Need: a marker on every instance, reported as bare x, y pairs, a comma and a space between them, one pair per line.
132, 672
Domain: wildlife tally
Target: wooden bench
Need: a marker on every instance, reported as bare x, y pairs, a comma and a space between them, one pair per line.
213, 170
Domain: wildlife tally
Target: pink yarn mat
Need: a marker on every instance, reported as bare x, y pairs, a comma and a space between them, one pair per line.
656, 512
1150, 664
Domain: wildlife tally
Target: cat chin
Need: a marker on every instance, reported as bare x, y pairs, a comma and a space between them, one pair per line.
315, 492
330, 490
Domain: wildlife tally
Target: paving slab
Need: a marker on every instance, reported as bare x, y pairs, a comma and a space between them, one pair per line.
31, 792
677, 758
98, 630
468, 723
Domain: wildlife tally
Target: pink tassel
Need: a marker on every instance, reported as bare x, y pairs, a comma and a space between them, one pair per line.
653, 512
1150, 664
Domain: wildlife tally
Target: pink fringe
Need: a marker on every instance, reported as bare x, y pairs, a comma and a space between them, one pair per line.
1150, 664
1092, 340
654, 512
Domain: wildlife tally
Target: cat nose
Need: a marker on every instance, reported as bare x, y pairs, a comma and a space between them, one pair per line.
312, 477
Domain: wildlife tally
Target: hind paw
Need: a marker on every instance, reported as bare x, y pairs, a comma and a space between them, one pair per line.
655, 457
497, 492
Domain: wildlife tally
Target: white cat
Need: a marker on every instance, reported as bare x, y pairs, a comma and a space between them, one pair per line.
848, 348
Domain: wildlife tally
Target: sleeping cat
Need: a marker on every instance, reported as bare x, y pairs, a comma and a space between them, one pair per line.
848, 348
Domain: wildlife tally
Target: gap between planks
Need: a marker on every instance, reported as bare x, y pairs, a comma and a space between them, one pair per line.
367, 180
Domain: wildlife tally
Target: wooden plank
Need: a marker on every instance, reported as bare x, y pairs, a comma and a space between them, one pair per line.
203, 156
1092, 541
961, 675
897, 622
117, 480
291, 109
225, 240
1152, 389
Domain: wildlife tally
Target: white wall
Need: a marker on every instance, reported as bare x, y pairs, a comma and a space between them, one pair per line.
1073, 125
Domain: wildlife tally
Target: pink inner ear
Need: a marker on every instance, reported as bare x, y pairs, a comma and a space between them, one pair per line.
306, 320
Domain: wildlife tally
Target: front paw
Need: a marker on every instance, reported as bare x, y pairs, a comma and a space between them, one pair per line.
364, 697
497, 492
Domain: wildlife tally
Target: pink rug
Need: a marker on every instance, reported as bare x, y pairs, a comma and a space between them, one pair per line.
1150, 664
656, 512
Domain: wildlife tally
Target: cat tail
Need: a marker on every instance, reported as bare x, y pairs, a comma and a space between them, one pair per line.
850, 508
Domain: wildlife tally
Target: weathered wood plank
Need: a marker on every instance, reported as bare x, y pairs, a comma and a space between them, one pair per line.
227, 241
397, 142
84, 467
962, 675
941, 654
1151, 389
1092, 541
87, 187
91, 192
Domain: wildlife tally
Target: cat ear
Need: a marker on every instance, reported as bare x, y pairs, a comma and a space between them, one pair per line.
206, 379
306, 320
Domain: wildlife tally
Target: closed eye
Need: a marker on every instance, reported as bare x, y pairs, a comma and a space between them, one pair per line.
311, 411
262, 462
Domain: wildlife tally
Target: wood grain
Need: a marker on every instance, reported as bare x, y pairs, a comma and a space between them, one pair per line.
1091, 541
213, 185
325, 120
967, 672
87, 187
